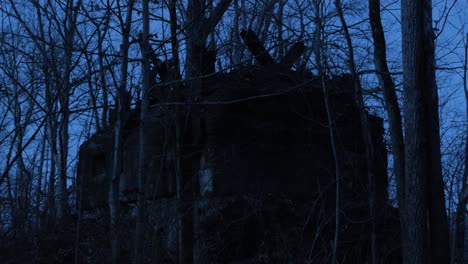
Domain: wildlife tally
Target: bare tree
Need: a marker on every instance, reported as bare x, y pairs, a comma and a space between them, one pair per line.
125, 26
392, 108
460, 213
320, 61
424, 194
366, 136
146, 71
198, 63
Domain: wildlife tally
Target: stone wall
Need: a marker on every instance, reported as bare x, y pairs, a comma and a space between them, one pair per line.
266, 170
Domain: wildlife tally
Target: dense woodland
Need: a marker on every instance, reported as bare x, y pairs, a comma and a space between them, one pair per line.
74, 69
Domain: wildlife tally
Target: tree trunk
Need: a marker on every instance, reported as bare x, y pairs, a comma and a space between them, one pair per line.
146, 71
438, 223
392, 109
185, 232
52, 138
102, 71
426, 220
460, 216
37, 207
279, 28
337, 153
117, 155
367, 140
237, 46
65, 91
415, 132
191, 138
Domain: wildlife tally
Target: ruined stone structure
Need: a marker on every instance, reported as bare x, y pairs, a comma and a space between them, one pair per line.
266, 184
252, 169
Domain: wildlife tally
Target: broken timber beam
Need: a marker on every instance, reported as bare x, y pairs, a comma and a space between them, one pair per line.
293, 54
256, 48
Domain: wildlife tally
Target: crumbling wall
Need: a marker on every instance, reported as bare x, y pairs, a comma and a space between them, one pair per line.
266, 133
266, 167
94, 168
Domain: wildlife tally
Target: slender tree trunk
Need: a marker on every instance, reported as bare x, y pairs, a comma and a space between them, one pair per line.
392, 109
63, 138
366, 136
196, 38
460, 216
279, 28
174, 40
337, 154
460, 230
117, 155
93, 94
65, 92
146, 70
237, 51
438, 222
37, 209
52, 138
185, 235
114, 192
196, 44
191, 137
338, 167
102, 71
20, 192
